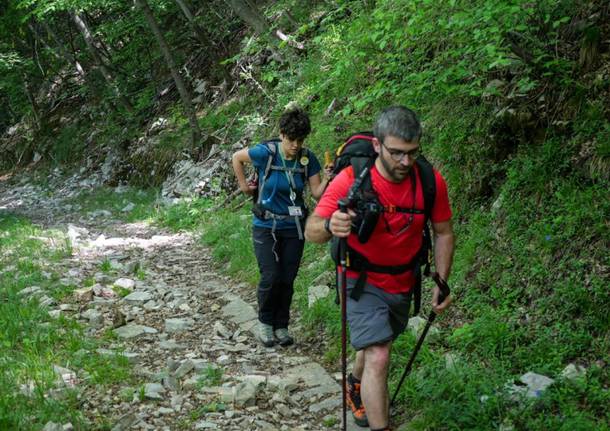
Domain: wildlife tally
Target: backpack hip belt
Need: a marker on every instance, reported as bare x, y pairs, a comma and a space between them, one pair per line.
359, 263
265, 214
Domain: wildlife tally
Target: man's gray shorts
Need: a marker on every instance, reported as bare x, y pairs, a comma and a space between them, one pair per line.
377, 317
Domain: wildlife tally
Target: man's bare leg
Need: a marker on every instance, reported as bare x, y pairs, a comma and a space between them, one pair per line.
374, 387
358, 367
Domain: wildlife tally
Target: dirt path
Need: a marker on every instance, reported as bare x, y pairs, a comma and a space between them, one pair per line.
185, 328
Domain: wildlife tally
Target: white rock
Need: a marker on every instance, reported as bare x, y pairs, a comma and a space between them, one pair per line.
129, 207
573, 372
317, 292
125, 283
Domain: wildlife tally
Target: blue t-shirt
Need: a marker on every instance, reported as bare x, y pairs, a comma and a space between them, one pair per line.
276, 193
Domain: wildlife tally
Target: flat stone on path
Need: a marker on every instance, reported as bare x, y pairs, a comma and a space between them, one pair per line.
205, 425
238, 310
178, 325
133, 331
153, 391
222, 330
171, 345
326, 405
130, 356
245, 394
312, 374
138, 297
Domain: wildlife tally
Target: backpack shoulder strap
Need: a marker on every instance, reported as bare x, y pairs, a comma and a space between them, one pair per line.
358, 165
272, 147
428, 182
304, 152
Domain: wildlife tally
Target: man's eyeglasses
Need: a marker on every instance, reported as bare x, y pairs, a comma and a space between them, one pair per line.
398, 155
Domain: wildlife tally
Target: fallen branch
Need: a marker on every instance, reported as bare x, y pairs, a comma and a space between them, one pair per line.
282, 36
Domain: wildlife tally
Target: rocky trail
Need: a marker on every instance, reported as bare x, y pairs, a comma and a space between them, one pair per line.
186, 329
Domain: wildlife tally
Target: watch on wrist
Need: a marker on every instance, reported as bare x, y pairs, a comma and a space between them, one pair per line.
327, 226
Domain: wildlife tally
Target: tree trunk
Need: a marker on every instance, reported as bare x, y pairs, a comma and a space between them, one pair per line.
42, 41
184, 93
62, 49
32, 99
191, 19
106, 73
250, 15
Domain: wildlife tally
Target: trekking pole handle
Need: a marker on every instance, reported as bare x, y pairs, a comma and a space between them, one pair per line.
443, 286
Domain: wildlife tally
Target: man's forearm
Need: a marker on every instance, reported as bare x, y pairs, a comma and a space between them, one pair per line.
443, 254
314, 230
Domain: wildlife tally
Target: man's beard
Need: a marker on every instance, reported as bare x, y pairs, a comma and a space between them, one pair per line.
397, 174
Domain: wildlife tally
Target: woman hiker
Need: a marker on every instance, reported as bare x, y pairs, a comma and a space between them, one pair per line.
283, 169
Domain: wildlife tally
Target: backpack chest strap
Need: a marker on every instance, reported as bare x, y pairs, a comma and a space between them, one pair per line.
288, 169
391, 209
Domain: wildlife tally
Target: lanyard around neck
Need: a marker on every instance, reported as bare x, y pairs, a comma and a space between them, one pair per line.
288, 174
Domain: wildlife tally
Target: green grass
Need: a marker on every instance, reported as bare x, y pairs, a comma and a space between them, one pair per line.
32, 341
211, 376
109, 199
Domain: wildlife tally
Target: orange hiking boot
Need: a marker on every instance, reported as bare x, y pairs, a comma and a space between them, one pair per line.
354, 402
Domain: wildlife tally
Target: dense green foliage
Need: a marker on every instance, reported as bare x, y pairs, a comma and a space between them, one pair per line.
514, 98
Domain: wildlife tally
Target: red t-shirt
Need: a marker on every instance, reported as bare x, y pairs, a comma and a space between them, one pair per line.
390, 244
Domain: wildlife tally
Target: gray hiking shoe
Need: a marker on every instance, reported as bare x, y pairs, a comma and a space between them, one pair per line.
283, 337
265, 334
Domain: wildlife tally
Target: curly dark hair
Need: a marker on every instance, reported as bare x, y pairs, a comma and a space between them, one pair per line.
295, 124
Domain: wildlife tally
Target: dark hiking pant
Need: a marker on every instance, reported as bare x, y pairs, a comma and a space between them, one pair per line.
278, 263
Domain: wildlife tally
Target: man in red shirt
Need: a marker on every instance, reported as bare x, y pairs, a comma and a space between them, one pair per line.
380, 314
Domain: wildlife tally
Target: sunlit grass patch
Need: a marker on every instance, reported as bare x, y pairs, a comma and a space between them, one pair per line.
188, 214
230, 235
125, 203
33, 343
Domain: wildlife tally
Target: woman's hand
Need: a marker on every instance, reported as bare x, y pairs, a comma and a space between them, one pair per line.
250, 187
328, 172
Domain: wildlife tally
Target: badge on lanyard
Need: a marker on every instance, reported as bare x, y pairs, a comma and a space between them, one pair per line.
295, 211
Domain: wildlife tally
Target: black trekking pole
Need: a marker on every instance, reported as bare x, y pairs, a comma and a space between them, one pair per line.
444, 287
342, 280
344, 204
